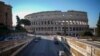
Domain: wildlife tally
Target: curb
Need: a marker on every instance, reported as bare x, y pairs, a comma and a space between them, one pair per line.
16, 52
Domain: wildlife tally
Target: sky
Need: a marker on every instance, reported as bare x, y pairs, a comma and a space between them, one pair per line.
24, 7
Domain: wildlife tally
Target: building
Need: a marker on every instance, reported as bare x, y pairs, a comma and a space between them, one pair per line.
53, 22
5, 14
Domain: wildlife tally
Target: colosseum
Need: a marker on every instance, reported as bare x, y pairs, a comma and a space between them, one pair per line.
57, 22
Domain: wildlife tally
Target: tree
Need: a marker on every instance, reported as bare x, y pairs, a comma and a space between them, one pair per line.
19, 28
4, 31
18, 19
98, 27
20, 22
58, 33
24, 21
87, 33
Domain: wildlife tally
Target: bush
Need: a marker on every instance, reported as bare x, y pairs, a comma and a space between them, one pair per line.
86, 33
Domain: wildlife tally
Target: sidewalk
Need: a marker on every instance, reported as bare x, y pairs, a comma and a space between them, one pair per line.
8, 45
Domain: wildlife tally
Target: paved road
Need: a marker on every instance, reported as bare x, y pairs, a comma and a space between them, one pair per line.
44, 47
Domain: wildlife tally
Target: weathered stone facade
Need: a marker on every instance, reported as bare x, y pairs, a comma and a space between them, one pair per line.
53, 22
5, 14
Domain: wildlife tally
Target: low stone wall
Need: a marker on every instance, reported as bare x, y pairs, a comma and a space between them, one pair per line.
10, 51
81, 47
7, 48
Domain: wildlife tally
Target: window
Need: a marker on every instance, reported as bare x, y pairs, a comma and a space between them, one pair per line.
34, 23
48, 22
45, 22
51, 28
48, 28
70, 28
76, 28
42, 29
55, 28
51, 22
59, 28
71, 22
41, 22
74, 22
79, 28
63, 28
77, 22
66, 21
39, 28
63, 21
80, 23
36, 29
73, 28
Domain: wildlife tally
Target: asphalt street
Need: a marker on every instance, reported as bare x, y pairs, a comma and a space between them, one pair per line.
44, 47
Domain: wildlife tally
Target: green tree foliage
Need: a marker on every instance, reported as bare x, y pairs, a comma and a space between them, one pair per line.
87, 33
18, 19
20, 22
4, 29
98, 27
20, 29
24, 21
58, 33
